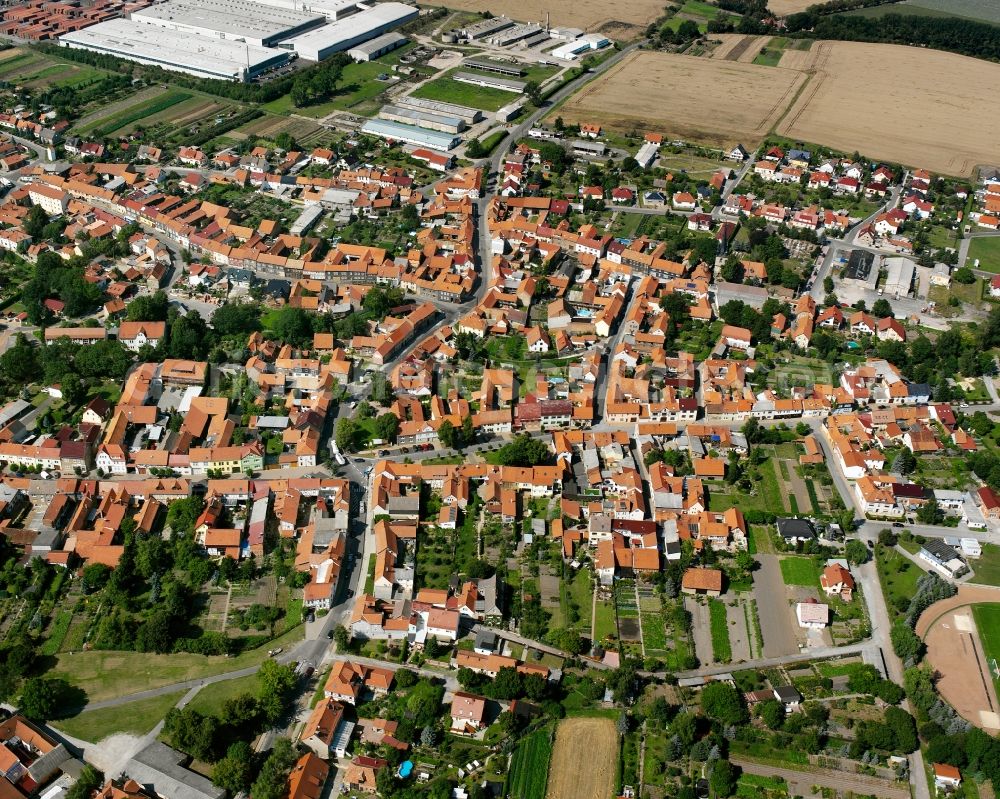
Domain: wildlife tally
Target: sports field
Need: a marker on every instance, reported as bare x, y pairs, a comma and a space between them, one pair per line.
584, 760
702, 100
900, 118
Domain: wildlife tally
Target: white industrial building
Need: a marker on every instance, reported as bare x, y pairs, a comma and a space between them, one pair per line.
410, 134
331, 9
345, 33
246, 20
572, 50
379, 46
491, 82
203, 56
422, 119
647, 154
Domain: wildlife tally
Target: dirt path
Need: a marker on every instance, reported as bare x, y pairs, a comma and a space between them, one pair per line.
800, 782
773, 610
739, 635
701, 630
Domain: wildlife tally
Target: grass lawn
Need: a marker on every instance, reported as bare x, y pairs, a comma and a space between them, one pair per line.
799, 571
899, 577
721, 649
987, 250
605, 623
137, 718
769, 58
106, 675
449, 90
210, 699
987, 568
988, 621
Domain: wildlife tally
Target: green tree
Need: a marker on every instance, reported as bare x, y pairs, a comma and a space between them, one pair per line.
905, 462
772, 713
235, 771
881, 309
721, 702
346, 434
524, 451
448, 435
964, 275
44, 698
722, 778
387, 427
856, 552
271, 782
90, 780
930, 513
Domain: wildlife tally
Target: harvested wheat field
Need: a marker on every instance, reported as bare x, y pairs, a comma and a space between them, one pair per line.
584, 760
702, 100
619, 20
783, 7
873, 98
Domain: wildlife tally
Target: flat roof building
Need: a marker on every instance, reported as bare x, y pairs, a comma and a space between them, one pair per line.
469, 115
379, 46
203, 56
351, 31
515, 70
571, 50
484, 27
253, 22
410, 134
422, 119
490, 82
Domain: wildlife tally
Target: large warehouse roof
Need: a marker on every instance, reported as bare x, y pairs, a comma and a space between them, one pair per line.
345, 33
256, 22
180, 52
410, 134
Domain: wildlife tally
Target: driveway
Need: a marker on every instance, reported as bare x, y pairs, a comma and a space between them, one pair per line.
773, 610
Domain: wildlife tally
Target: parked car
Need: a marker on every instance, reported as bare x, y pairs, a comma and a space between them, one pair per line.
898, 524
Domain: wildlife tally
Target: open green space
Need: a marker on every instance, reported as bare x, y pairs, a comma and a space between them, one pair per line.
449, 90
987, 568
722, 650
987, 250
529, 767
210, 699
899, 577
137, 718
799, 571
770, 54
107, 675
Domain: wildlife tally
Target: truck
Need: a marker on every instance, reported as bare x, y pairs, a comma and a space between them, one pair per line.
337, 456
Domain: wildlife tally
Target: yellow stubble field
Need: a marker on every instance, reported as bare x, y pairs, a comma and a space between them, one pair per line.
696, 99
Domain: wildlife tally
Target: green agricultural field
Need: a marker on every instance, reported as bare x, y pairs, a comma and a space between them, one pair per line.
529, 767
987, 250
137, 718
722, 650
799, 571
145, 109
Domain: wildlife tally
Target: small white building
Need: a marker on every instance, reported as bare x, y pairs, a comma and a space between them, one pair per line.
812, 615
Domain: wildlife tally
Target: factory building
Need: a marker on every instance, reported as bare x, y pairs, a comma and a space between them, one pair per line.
422, 119
378, 46
246, 20
469, 115
490, 82
510, 36
512, 70
486, 27
572, 50
346, 33
203, 56
410, 134
331, 9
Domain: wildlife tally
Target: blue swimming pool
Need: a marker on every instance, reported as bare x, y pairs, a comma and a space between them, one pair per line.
405, 768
